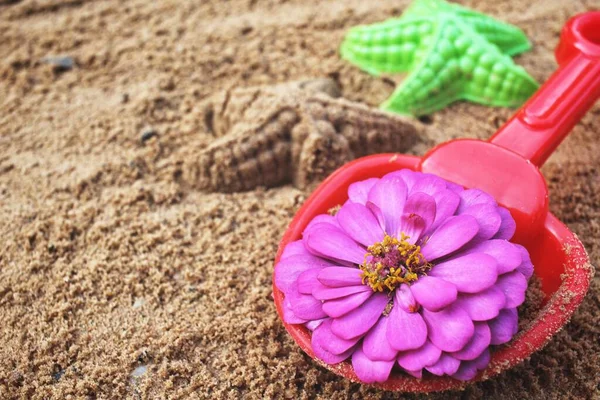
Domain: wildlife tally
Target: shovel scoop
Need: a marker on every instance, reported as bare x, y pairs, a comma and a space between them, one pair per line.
507, 167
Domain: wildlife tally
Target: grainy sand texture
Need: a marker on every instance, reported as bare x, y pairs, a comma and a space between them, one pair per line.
121, 276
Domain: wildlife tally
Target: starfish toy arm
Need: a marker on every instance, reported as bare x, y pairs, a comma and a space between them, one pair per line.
460, 65
509, 39
390, 46
451, 52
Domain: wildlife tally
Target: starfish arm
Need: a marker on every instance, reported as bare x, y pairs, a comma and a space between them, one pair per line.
498, 81
247, 158
491, 77
459, 64
435, 80
391, 46
510, 39
367, 130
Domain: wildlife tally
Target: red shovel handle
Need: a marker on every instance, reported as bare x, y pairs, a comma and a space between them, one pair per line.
544, 121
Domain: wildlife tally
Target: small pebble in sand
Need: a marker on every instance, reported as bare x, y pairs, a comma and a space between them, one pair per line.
148, 134
138, 303
60, 63
139, 371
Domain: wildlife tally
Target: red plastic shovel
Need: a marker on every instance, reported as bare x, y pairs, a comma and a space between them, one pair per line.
507, 167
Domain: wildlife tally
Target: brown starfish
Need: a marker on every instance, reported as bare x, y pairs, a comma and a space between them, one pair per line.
296, 132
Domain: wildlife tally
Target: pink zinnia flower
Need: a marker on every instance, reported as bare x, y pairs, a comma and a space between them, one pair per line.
412, 271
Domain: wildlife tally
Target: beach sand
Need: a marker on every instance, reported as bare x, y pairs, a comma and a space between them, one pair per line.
121, 278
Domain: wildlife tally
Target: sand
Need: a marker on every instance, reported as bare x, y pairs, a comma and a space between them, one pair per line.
120, 278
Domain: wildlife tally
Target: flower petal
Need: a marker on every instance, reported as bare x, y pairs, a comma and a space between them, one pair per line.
307, 281
514, 286
468, 369
408, 176
287, 270
471, 197
359, 223
484, 305
333, 243
526, 267
483, 360
446, 365
477, 345
428, 184
449, 329
324, 355
416, 374
314, 324
360, 320
369, 371
389, 194
487, 217
323, 292
331, 342
377, 213
412, 226
416, 360
340, 276
338, 307
288, 314
470, 273
295, 248
504, 326
420, 204
450, 236
304, 305
454, 187
359, 191
318, 222
508, 225
404, 298
446, 204
508, 255
376, 345
320, 219
406, 330
433, 293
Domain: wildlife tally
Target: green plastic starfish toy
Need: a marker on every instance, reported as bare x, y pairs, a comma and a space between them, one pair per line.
452, 53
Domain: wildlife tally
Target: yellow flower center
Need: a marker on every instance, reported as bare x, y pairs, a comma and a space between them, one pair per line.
391, 262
